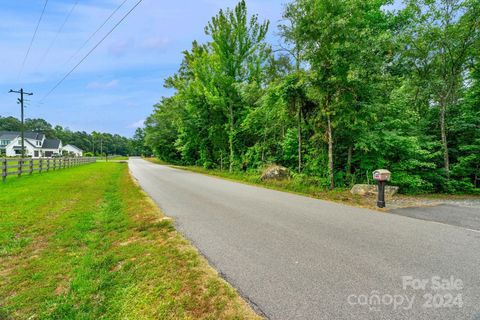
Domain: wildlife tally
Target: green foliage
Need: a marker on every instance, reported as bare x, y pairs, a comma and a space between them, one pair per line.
10, 124
138, 146
353, 87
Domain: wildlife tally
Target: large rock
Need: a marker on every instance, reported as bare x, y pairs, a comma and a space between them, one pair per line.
391, 190
363, 189
369, 189
275, 173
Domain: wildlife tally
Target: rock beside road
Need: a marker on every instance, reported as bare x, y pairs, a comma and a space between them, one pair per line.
369, 189
275, 173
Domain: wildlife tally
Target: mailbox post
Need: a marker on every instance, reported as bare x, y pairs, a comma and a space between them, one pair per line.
381, 176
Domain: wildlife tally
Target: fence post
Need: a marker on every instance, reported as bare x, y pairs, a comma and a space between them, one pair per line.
54, 164
40, 165
31, 166
19, 172
4, 170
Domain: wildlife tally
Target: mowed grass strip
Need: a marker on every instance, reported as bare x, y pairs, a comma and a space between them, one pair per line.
87, 243
305, 187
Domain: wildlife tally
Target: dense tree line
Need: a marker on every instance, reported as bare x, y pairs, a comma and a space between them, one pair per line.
95, 143
354, 86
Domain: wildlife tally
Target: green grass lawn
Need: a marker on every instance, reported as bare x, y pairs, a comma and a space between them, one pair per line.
118, 158
86, 243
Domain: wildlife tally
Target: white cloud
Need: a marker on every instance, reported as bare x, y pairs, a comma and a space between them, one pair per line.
157, 43
120, 47
102, 85
138, 124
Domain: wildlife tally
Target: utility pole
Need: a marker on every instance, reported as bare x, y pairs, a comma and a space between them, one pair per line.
21, 100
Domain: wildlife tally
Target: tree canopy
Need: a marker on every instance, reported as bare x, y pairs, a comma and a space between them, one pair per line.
354, 86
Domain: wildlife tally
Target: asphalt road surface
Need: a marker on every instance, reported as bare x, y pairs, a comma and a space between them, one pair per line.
456, 215
294, 257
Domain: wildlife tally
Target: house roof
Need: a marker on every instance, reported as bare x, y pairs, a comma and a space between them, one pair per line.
29, 135
5, 135
10, 135
26, 142
51, 144
73, 147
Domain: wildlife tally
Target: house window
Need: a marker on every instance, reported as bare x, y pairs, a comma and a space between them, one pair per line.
35, 154
4, 142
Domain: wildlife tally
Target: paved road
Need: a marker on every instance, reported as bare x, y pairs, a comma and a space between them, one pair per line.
294, 257
455, 215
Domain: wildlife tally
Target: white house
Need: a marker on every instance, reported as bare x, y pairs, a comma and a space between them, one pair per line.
72, 150
36, 145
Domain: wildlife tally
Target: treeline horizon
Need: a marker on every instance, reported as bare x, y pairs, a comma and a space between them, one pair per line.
93, 144
352, 87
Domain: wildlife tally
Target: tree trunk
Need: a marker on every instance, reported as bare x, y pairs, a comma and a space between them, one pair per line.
475, 181
230, 139
444, 139
330, 152
299, 129
349, 162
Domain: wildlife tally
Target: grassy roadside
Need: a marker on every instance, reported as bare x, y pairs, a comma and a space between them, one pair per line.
87, 243
119, 158
339, 195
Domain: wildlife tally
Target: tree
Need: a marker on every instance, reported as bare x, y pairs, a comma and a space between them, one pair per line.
238, 49
440, 39
342, 41
138, 143
161, 130
294, 84
10, 124
39, 125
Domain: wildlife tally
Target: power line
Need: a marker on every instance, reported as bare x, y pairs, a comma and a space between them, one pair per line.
59, 31
96, 31
86, 56
33, 38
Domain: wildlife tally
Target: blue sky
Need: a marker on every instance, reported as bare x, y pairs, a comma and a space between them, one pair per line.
116, 87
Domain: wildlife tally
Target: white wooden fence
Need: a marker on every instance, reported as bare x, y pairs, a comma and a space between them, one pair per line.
19, 167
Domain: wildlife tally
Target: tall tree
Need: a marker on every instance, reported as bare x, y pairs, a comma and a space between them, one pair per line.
340, 45
440, 39
238, 47
289, 31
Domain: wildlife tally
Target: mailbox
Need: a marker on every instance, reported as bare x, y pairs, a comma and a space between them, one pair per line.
382, 175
